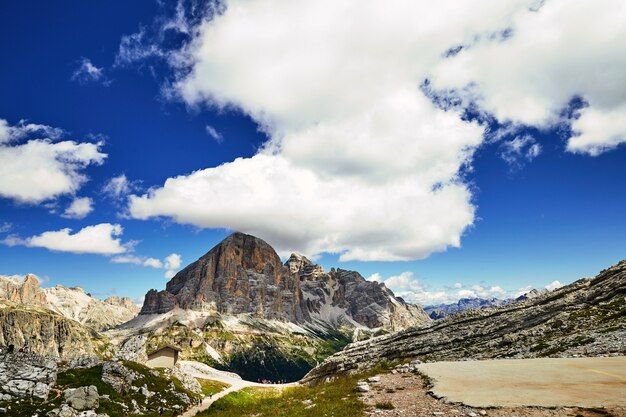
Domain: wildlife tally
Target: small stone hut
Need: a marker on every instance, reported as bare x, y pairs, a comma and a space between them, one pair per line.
164, 357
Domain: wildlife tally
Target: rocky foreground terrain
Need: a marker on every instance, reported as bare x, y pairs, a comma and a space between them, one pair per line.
586, 318
34, 385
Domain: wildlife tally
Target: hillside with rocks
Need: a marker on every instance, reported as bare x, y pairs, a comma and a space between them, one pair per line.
585, 318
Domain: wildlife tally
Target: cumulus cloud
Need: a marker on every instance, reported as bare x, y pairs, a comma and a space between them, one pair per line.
79, 208
361, 159
171, 263
553, 285
119, 187
102, 239
552, 54
22, 129
88, 72
42, 169
409, 287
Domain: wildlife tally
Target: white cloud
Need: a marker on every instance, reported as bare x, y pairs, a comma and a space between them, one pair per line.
359, 161
523, 148
127, 259
214, 134
478, 291
87, 72
153, 263
553, 285
98, 239
409, 287
5, 227
557, 52
41, 169
23, 129
171, 263
79, 208
119, 187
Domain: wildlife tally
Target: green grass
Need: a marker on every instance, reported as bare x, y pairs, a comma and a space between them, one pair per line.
337, 399
385, 406
210, 386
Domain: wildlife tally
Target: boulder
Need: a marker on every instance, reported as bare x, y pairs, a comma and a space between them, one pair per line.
83, 398
118, 376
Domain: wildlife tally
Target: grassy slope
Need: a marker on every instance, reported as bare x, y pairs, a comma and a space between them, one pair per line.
210, 386
337, 398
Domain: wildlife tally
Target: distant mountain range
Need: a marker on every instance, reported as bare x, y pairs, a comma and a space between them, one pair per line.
437, 312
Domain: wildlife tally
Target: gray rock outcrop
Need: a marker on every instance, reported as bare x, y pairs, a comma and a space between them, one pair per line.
118, 376
133, 349
83, 398
26, 375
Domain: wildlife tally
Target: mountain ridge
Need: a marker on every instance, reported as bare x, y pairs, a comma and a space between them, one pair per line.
585, 318
244, 275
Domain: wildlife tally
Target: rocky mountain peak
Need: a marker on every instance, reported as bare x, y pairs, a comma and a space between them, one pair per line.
297, 262
244, 275
22, 291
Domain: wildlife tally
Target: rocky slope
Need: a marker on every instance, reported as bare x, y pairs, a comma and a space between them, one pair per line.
587, 317
244, 275
75, 304
46, 332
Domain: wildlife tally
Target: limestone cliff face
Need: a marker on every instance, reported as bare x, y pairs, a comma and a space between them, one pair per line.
22, 292
77, 305
586, 318
48, 334
243, 274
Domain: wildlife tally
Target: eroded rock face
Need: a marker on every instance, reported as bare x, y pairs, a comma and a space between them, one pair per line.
47, 333
77, 305
243, 274
586, 318
26, 375
22, 292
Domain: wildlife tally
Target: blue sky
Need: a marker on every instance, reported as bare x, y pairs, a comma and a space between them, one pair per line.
319, 136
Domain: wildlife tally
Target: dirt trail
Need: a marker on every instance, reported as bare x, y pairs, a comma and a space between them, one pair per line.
200, 370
